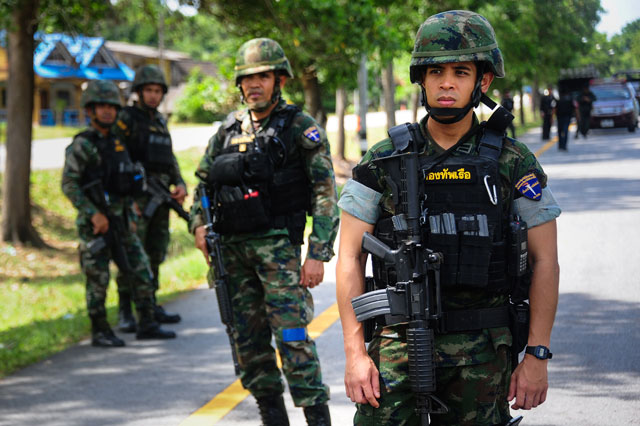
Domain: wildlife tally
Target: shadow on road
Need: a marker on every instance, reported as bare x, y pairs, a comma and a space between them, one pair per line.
595, 341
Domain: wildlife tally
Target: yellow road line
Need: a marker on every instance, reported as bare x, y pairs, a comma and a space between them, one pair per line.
234, 394
552, 142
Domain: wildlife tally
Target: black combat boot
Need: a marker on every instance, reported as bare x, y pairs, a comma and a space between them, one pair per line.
164, 317
317, 415
273, 411
148, 328
126, 320
102, 335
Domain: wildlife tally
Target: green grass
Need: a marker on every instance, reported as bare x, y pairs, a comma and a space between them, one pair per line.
42, 292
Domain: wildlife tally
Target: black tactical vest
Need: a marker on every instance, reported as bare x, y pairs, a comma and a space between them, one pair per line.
462, 216
119, 175
259, 179
152, 145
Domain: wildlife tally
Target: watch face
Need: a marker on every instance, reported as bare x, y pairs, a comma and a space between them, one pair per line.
541, 352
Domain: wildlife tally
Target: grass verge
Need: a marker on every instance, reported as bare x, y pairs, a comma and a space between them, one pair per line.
42, 292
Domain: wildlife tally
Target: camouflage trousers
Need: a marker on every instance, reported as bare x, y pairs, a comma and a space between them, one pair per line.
96, 268
267, 300
475, 394
153, 233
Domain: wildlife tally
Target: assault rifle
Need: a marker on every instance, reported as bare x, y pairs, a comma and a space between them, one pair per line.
415, 297
214, 249
160, 195
117, 227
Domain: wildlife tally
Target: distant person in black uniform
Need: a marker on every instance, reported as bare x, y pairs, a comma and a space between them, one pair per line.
565, 109
585, 103
547, 104
507, 103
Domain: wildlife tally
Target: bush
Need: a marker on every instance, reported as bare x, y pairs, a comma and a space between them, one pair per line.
205, 99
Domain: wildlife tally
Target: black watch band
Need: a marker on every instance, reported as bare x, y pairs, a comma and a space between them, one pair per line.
540, 352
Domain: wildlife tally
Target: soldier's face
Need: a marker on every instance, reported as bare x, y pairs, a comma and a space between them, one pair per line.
451, 85
103, 113
152, 95
258, 88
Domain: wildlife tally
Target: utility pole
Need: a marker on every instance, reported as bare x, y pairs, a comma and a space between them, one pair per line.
362, 104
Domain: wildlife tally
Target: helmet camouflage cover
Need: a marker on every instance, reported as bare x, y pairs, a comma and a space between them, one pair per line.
149, 74
455, 36
100, 92
259, 55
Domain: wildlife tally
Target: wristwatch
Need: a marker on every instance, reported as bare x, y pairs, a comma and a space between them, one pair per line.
540, 352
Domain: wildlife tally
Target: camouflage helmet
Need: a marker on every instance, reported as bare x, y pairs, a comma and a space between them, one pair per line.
149, 74
259, 55
455, 36
100, 92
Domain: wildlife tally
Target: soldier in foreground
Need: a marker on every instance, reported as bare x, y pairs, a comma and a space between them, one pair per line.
267, 168
457, 199
100, 180
143, 130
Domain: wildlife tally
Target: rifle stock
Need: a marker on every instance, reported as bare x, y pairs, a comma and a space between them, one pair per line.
214, 249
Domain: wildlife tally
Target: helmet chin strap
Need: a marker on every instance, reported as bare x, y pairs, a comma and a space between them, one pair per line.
455, 114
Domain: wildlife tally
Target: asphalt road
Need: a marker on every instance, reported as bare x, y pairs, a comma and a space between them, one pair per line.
594, 374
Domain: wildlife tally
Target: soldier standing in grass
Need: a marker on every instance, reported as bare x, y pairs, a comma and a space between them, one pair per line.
143, 130
266, 168
99, 173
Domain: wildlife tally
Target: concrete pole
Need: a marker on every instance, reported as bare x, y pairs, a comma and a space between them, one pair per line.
362, 104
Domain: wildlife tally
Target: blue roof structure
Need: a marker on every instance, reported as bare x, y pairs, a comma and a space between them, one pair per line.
63, 56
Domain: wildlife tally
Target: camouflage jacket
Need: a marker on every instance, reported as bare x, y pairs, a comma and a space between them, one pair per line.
80, 156
478, 346
319, 168
126, 129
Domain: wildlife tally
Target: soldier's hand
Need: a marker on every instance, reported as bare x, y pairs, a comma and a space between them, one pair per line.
201, 243
529, 383
100, 223
361, 380
179, 193
312, 273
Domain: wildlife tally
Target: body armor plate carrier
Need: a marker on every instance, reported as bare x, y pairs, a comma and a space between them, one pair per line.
153, 146
119, 175
259, 181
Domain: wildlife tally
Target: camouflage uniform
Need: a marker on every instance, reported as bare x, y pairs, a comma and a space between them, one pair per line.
472, 368
264, 266
82, 156
133, 124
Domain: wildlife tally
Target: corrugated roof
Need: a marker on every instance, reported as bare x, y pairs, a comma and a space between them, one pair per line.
145, 51
81, 51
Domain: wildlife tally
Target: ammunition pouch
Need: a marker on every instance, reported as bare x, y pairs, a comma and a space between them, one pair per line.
127, 179
227, 169
240, 210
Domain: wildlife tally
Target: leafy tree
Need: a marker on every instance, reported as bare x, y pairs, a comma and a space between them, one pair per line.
23, 18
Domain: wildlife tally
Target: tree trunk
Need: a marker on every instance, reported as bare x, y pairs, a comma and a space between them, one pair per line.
522, 107
16, 204
313, 96
341, 106
389, 89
